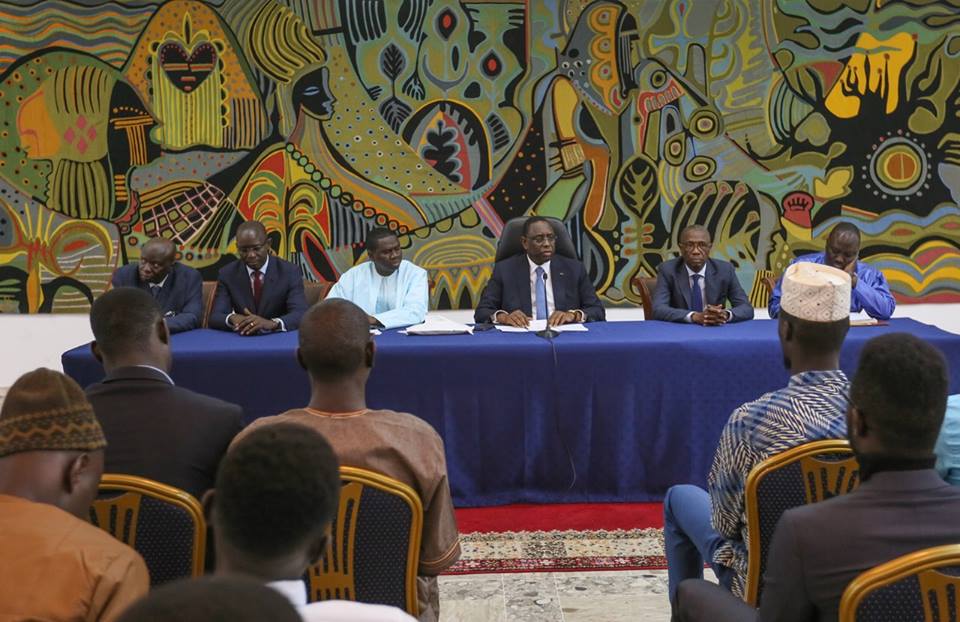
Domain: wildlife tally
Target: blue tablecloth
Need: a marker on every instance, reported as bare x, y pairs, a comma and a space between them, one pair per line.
615, 414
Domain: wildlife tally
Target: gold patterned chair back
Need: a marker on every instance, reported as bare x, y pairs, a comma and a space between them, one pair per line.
162, 523
374, 548
809, 473
924, 585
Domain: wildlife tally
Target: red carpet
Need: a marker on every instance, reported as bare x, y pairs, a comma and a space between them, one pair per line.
576, 516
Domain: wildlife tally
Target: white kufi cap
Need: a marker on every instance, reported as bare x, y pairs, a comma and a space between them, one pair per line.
815, 292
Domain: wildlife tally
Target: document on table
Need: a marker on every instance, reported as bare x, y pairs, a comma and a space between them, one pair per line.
538, 325
862, 319
439, 325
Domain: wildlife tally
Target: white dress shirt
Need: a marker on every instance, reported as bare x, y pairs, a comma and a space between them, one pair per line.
336, 610
533, 287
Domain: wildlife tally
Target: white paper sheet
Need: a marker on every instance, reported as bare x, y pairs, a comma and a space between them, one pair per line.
538, 325
439, 325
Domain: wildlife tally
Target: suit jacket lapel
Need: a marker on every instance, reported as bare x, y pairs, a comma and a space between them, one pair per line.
559, 281
270, 280
683, 283
713, 286
244, 288
523, 267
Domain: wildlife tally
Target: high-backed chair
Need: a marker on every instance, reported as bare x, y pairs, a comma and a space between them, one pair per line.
374, 547
162, 523
919, 586
315, 291
806, 474
209, 292
646, 286
509, 244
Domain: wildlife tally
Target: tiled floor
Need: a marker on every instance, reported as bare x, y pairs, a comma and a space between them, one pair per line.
553, 596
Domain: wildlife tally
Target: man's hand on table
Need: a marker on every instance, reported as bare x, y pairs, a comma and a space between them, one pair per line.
252, 324
515, 318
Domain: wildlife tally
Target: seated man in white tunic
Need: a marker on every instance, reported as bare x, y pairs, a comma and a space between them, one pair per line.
391, 291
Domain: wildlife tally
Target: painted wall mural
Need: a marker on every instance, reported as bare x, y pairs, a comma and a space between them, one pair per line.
766, 120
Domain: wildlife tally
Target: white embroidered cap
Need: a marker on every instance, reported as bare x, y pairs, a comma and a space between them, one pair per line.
815, 292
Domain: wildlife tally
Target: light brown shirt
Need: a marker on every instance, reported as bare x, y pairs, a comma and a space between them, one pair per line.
54, 566
405, 448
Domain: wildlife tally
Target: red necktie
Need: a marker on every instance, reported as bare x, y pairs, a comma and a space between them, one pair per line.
257, 287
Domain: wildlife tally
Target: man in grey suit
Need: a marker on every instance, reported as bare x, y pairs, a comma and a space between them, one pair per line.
694, 288
897, 401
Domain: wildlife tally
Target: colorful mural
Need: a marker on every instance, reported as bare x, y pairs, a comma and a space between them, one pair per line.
766, 120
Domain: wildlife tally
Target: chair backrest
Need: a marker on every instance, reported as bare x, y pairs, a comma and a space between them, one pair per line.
645, 285
162, 523
374, 548
924, 585
315, 291
209, 291
802, 475
509, 244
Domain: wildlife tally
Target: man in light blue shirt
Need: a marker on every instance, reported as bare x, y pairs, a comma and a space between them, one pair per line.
870, 292
948, 443
391, 291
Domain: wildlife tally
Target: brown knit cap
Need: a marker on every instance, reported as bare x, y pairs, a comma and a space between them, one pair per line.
46, 410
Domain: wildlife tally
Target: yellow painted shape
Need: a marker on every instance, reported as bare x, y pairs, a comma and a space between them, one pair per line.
836, 185
888, 58
565, 101
39, 137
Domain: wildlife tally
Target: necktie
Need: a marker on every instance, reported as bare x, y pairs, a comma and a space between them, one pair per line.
541, 294
155, 290
696, 297
257, 287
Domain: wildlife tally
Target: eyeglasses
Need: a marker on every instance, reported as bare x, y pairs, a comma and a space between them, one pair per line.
243, 250
689, 246
544, 238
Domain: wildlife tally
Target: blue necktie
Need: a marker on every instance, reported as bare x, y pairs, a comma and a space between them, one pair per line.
696, 297
541, 294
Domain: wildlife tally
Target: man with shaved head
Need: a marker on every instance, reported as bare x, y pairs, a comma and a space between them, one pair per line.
258, 293
338, 353
177, 288
870, 292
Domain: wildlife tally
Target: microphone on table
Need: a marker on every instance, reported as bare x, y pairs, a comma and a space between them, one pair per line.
546, 333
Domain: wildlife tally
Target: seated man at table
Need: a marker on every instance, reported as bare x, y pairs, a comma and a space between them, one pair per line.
338, 353
56, 565
712, 527
393, 292
177, 288
259, 292
896, 406
694, 288
870, 292
155, 429
555, 287
295, 468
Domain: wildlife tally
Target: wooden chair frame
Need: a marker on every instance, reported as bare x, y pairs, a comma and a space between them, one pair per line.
893, 571
752, 505
209, 294
167, 494
397, 488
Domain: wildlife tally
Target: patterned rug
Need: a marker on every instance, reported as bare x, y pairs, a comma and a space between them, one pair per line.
568, 550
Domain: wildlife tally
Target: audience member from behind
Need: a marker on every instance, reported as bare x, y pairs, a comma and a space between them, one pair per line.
258, 293
948, 443
391, 291
155, 429
869, 290
896, 407
212, 599
177, 288
338, 353
275, 542
712, 527
694, 288
56, 565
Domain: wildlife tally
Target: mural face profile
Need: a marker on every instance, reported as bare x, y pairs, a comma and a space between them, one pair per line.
767, 122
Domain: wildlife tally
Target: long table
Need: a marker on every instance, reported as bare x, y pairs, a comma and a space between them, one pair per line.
618, 413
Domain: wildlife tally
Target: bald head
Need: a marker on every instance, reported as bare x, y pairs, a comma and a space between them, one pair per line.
335, 340
253, 226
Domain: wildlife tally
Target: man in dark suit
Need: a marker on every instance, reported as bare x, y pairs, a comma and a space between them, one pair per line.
258, 293
177, 288
537, 284
897, 401
694, 288
154, 428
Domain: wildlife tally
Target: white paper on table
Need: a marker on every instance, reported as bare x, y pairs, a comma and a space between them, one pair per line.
536, 326
862, 319
439, 325
375, 331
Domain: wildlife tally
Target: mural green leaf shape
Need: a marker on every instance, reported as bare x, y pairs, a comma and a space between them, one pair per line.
392, 62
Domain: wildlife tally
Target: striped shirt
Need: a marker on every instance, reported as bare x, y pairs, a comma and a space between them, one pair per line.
810, 408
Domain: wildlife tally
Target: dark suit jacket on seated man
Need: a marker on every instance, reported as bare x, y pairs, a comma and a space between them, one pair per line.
897, 401
177, 288
511, 295
676, 299
259, 293
154, 428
